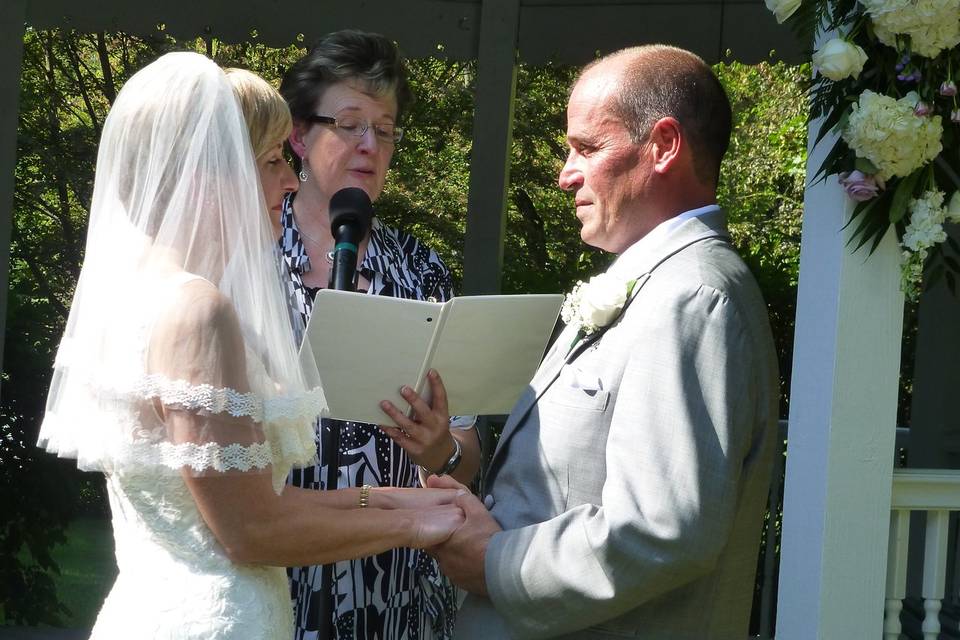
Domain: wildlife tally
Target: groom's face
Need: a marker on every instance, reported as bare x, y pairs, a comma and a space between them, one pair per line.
606, 171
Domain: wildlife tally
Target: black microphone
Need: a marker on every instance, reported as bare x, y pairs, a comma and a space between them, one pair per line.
350, 217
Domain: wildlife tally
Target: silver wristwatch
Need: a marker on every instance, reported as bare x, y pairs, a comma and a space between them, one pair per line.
453, 462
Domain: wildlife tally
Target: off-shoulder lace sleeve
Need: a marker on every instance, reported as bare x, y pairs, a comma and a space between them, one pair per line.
189, 395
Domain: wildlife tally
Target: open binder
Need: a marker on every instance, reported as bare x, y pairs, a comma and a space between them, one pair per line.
486, 349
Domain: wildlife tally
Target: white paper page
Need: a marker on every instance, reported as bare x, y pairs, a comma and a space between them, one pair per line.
490, 348
366, 347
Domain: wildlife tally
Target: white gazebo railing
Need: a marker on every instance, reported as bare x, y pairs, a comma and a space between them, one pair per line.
936, 492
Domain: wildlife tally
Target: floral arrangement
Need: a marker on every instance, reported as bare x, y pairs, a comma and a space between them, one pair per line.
887, 84
594, 305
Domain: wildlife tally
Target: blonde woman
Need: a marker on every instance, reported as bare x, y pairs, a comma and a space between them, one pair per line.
268, 120
178, 378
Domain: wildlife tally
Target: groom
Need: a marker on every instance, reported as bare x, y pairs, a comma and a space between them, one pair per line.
626, 493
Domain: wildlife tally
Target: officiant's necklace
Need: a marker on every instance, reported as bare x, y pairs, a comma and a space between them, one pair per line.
328, 254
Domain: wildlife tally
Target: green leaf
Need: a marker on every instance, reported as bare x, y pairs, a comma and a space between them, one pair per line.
952, 263
865, 166
951, 282
838, 150
872, 227
877, 239
901, 198
862, 208
837, 118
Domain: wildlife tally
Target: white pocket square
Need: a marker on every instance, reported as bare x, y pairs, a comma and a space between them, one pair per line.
585, 380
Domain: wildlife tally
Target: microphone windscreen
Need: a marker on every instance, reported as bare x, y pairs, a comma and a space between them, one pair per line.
351, 206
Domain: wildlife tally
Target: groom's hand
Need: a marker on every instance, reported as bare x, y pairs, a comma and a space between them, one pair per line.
461, 557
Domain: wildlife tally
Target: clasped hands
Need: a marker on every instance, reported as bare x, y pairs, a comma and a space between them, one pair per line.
461, 555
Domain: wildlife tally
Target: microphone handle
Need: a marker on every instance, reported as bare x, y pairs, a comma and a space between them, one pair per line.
343, 277
343, 273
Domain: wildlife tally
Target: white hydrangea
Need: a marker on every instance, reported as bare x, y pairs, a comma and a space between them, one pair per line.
925, 230
933, 25
886, 132
927, 216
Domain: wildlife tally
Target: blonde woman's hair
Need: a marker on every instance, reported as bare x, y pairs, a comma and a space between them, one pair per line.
264, 109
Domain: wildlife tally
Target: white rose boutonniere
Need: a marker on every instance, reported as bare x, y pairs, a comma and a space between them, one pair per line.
595, 304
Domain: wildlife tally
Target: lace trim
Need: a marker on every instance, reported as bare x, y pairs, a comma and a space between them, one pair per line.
232, 457
200, 396
107, 440
308, 404
287, 444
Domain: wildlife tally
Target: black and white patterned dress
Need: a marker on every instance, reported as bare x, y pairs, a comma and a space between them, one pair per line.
399, 594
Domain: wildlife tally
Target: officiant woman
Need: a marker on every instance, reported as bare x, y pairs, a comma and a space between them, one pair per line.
347, 97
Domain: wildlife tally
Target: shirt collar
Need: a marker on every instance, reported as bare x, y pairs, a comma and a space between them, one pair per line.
626, 263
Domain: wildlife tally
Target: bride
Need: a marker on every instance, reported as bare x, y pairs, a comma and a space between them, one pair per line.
176, 377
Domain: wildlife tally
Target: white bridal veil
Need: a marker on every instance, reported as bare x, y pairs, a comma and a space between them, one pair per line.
178, 353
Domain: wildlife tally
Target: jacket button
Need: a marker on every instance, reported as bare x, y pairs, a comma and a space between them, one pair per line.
488, 501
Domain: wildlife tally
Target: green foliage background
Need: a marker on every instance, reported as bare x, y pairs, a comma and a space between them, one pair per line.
68, 84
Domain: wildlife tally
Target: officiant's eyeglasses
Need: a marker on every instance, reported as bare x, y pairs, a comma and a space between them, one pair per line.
353, 126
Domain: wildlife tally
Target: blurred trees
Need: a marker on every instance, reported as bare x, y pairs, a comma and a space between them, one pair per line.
69, 82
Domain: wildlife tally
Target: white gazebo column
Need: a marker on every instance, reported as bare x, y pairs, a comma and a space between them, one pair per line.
12, 14
843, 404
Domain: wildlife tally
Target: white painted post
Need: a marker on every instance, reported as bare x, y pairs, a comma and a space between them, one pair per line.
843, 405
896, 572
934, 571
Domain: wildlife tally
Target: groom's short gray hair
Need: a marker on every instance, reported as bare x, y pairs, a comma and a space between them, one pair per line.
659, 81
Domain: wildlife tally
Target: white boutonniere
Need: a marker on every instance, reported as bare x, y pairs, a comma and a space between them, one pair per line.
595, 304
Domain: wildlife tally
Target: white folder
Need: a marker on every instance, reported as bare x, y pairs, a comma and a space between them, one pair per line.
486, 349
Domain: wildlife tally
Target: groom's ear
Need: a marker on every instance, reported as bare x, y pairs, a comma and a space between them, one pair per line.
665, 144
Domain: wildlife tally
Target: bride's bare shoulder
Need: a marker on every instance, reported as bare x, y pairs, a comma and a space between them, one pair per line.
196, 305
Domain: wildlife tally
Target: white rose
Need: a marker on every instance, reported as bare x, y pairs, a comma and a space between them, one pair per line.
782, 9
953, 209
839, 59
602, 299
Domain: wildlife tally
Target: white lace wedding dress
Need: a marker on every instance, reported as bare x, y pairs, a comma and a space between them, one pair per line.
175, 580
178, 358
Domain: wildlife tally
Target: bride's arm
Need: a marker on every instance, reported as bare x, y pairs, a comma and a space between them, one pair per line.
255, 525
199, 340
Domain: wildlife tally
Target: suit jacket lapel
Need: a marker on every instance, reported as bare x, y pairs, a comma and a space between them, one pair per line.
710, 225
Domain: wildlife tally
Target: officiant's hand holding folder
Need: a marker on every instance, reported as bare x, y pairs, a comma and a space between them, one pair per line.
487, 349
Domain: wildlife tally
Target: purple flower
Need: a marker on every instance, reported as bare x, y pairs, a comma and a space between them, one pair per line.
922, 109
859, 186
948, 88
912, 76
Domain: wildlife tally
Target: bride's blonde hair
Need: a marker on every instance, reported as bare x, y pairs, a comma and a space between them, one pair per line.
264, 110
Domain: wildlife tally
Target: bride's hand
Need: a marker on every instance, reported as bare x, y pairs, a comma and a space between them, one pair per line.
410, 498
433, 526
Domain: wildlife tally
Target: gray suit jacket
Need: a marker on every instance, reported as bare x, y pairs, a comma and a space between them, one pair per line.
631, 477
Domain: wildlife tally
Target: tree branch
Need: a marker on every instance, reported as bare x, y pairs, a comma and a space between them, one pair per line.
109, 90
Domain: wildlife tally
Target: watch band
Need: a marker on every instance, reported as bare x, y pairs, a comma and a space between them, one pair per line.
453, 462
